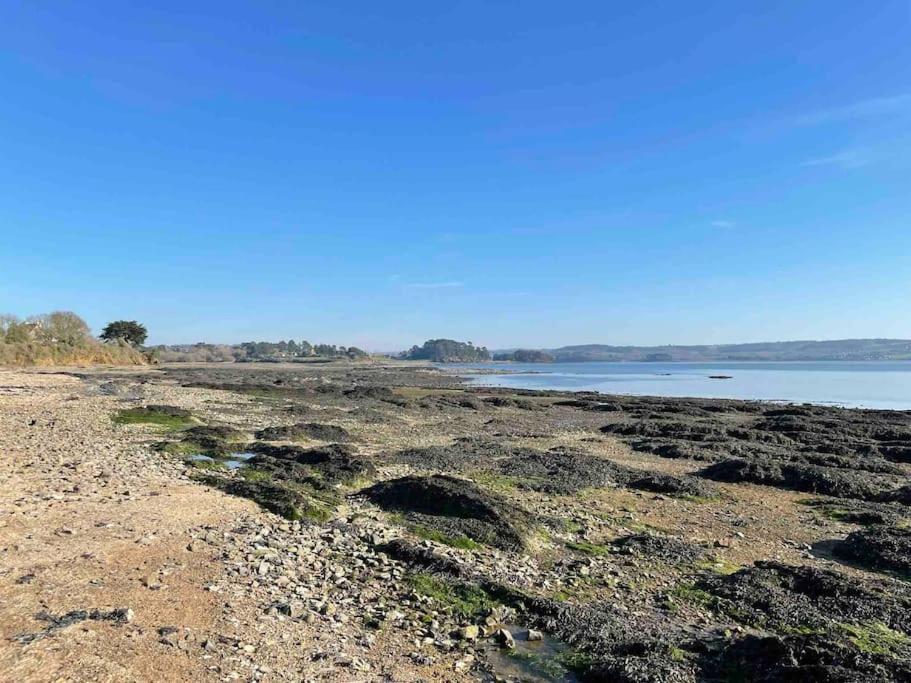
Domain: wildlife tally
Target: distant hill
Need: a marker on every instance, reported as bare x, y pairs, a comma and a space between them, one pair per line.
842, 349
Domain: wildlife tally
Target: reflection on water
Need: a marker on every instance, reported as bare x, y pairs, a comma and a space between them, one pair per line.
537, 661
232, 462
884, 384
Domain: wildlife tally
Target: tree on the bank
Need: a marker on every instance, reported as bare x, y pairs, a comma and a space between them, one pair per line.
354, 352
447, 351
129, 331
61, 327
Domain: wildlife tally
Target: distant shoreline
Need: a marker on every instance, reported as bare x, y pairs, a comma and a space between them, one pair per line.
882, 385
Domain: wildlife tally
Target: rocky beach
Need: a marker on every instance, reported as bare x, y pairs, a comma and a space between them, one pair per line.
358, 521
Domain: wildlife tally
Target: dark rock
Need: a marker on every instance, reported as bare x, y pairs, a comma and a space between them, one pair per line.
672, 485
274, 497
663, 548
375, 393
455, 507
829, 481
562, 471
321, 468
785, 597
878, 547
304, 430
802, 658
163, 410
214, 432
510, 402
214, 441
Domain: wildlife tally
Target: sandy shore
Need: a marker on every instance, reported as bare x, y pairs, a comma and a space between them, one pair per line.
122, 561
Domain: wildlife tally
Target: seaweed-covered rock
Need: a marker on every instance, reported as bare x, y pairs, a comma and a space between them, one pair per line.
304, 430
615, 645
272, 496
323, 467
645, 661
801, 658
672, 485
301, 454
467, 453
421, 557
220, 433
683, 450
593, 405
901, 495
689, 431
878, 547
829, 481
166, 411
663, 548
896, 452
443, 402
858, 512
512, 402
556, 471
562, 471
215, 441
612, 644
788, 598
455, 507
375, 393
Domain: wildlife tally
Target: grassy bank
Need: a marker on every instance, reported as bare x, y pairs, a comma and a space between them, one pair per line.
60, 338
91, 353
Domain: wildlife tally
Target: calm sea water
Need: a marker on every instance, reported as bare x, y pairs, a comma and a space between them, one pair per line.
882, 384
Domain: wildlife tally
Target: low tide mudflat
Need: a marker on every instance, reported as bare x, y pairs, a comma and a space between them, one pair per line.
392, 523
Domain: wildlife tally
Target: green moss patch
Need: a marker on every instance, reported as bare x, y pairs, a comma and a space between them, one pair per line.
253, 475
877, 639
595, 549
499, 482
689, 594
462, 542
718, 566
461, 598
167, 418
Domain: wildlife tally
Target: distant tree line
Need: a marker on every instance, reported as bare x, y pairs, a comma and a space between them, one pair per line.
291, 349
254, 351
525, 356
447, 351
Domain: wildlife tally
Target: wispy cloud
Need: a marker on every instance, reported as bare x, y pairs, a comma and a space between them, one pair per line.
723, 224
451, 284
850, 158
872, 107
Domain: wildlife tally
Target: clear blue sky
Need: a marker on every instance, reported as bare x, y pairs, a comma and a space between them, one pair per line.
513, 173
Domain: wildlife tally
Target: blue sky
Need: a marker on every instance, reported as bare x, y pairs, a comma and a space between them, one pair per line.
531, 173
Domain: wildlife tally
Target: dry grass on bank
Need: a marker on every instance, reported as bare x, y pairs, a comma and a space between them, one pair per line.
21, 354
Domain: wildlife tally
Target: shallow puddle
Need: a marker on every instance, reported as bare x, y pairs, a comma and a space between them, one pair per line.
539, 661
232, 461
